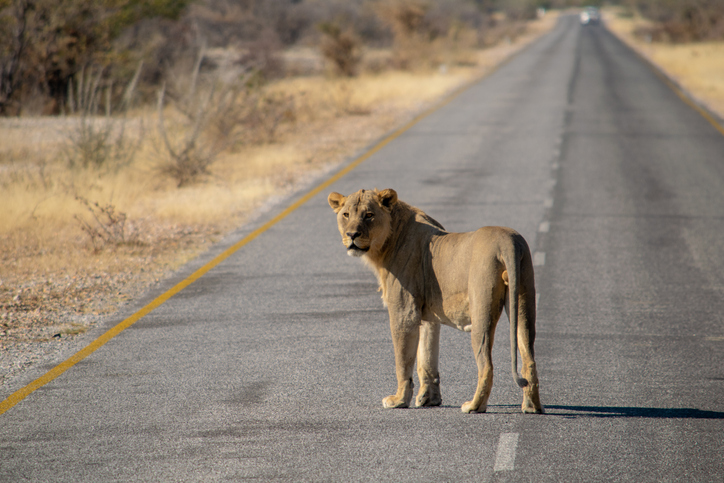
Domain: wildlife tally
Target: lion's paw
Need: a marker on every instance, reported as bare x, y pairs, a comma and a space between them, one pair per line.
531, 401
391, 402
428, 400
429, 396
529, 407
469, 407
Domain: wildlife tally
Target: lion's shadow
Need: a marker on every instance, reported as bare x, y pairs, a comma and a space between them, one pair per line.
573, 412
631, 412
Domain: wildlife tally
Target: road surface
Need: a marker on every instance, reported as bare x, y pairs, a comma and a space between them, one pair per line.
273, 365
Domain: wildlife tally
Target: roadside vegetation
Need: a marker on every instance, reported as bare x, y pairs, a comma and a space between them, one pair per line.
685, 38
135, 134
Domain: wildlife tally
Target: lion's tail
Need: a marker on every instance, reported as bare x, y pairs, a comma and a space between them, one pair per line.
512, 259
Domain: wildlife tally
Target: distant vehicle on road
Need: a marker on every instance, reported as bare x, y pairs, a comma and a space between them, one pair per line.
590, 16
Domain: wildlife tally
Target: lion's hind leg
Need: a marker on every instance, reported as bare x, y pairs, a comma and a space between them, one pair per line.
531, 397
526, 340
486, 305
482, 341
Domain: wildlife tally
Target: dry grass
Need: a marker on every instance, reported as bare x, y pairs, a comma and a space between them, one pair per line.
54, 278
697, 67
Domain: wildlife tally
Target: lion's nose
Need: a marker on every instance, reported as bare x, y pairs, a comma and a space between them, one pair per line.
353, 234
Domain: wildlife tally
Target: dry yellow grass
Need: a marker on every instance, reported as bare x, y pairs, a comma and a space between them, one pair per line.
697, 67
50, 272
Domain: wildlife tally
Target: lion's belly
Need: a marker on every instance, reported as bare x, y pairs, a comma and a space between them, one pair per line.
452, 310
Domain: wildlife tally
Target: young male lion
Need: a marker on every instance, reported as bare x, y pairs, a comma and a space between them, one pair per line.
429, 277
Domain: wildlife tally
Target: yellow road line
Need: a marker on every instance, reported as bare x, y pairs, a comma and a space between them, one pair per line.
21, 394
678, 90
687, 99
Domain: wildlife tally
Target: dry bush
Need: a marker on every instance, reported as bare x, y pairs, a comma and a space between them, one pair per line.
263, 55
214, 113
260, 113
341, 48
106, 226
683, 20
411, 32
225, 22
188, 152
430, 34
345, 103
100, 142
25, 168
187, 156
500, 28
45, 43
519, 10
290, 20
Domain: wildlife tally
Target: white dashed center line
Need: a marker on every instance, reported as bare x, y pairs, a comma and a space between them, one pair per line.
539, 259
505, 455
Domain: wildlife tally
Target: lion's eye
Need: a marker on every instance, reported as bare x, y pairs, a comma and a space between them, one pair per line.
369, 216
346, 215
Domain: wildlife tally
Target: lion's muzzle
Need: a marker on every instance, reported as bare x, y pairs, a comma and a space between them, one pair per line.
355, 247
354, 250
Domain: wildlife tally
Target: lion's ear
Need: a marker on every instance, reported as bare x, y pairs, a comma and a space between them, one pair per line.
387, 197
336, 201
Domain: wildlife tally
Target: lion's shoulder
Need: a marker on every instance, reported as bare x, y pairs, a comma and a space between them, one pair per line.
411, 215
411, 234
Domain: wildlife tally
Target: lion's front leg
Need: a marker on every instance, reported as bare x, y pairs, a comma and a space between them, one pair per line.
428, 351
405, 337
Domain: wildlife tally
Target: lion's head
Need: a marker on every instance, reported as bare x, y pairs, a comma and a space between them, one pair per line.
364, 219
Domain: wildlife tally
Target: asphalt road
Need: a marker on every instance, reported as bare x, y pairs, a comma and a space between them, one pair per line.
273, 365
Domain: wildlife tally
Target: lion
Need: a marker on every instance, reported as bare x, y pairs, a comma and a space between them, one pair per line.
429, 277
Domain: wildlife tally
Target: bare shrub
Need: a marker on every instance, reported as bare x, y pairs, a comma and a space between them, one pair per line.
429, 34
100, 142
343, 102
341, 48
44, 44
187, 159
683, 20
290, 20
213, 113
105, 227
519, 10
499, 28
257, 115
406, 17
263, 55
411, 30
28, 168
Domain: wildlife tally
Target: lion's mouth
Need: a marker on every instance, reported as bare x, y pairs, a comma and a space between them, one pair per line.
356, 251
